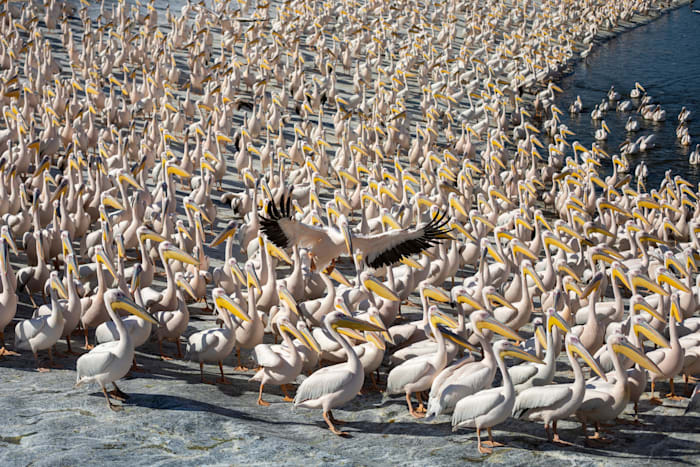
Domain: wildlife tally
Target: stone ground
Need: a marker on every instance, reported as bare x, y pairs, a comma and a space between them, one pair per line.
171, 418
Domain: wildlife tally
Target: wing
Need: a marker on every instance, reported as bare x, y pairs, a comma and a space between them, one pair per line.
406, 373
542, 397
284, 231
477, 404
324, 381
203, 340
389, 247
521, 373
657, 356
94, 363
266, 357
29, 328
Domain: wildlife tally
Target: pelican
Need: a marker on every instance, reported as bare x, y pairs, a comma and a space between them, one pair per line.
555, 402
108, 362
417, 374
213, 345
281, 367
604, 401
489, 407
42, 332
325, 245
171, 324
335, 385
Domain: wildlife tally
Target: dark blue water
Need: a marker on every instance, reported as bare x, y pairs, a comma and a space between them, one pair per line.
663, 56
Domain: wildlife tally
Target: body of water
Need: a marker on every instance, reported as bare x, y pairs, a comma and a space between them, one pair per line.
663, 56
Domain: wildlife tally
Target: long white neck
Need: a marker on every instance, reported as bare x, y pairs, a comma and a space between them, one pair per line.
353, 362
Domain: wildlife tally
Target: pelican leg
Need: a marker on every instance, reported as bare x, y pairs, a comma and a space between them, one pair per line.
492, 443
260, 399
117, 393
421, 407
556, 438
328, 417
240, 367
223, 379
374, 382
70, 350
3, 349
482, 449
179, 349
672, 395
286, 394
414, 413
115, 408
160, 350
201, 373
31, 299
87, 341
597, 437
335, 420
39, 368
654, 400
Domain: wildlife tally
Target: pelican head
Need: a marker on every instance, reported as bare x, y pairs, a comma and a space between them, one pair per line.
170, 251
118, 300
506, 348
229, 231
574, 345
483, 320
619, 344
224, 302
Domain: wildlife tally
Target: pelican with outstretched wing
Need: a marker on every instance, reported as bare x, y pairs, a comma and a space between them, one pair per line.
328, 243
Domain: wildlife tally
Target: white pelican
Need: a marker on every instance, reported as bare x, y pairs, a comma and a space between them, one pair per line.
489, 407
333, 386
417, 374
283, 366
213, 345
604, 401
327, 244
527, 375
466, 380
42, 332
108, 362
171, 324
555, 402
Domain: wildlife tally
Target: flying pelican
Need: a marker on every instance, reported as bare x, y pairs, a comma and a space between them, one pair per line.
333, 386
327, 244
108, 362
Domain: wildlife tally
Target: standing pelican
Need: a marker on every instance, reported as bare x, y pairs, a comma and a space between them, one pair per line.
108, 362
281, 367
213, 345
43, 332
555, 402
333, 386
489, 407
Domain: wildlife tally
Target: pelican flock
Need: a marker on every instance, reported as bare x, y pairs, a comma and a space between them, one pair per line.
339, 190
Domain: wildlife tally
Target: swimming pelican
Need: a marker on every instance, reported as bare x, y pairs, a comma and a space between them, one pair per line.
335, 385
106, 363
